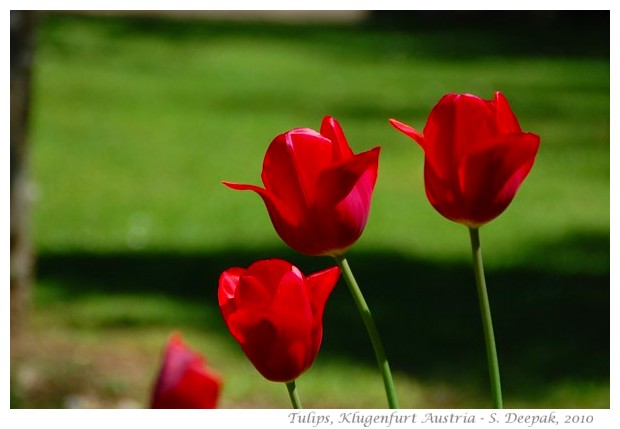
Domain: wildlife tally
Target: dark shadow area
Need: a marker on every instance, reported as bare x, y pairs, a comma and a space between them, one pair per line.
505, 33
454, 34
551, 323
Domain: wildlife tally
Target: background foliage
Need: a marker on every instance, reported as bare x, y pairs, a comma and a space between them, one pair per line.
137, 121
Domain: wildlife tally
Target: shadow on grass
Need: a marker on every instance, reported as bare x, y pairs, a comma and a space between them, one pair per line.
453, 34
552, 325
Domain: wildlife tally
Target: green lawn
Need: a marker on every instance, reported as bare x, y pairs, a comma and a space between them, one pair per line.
136, 123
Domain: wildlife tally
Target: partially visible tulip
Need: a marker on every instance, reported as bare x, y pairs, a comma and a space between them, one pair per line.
184, 381
276, 314
476, 157
317, 192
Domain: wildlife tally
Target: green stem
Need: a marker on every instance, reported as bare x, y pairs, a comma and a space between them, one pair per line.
369, 322
292, 393
487, 323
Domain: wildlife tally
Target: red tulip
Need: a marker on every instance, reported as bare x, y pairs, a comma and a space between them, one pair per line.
476, 157
276, 314
184, 381
317, 192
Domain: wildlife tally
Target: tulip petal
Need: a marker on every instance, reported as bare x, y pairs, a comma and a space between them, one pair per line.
436, 173
331, 129
279, 212
183, 381
355, 207
337, 182
411, 132
505, 119
443, 195
457, 125
197, 389
288, 225
276, 355
270, 272
250, 324
341, 211
491, 178
292, 165
290, 310
320, 286
251, 293
293, 318
176, 359
531, 144
228, 282
292, 300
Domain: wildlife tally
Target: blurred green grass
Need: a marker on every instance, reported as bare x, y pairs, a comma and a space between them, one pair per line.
137, 121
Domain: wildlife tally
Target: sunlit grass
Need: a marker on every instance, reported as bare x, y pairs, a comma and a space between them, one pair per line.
147, 127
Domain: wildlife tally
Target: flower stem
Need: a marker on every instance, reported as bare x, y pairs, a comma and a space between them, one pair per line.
292, 393
487, 323
373, 333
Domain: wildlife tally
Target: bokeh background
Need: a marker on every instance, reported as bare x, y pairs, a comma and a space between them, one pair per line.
135, 119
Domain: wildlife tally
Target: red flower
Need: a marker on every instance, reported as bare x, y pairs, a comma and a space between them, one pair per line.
317, 192
184, 381
476, 157
276, 314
